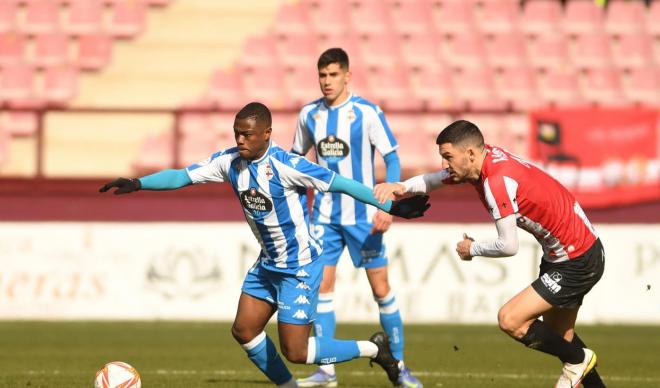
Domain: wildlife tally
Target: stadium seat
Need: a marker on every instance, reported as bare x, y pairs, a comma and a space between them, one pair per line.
411, 17
17, 83
602, 87
265, 84
226, 90
625, 17
350, 44
8, 15
464, 51
475, 89
433, 85
369, 17
591, 51
51, 49
505, 50
291, 19
84, 17
652, 17
497, 16
516, 86
541, 17
547, 50
302, 85
129, 19
223, 125
155, 154
643, 86
4, 147
491, 125
198, 140
12, 48
94, 51
558, 87
517, 134
359, 84
257, 50
297, 49
419, 50
582, 17
391, 89
19, 124
328, 17
630, 51
284, 129
41, 16
453, 17
60, 85
380, 50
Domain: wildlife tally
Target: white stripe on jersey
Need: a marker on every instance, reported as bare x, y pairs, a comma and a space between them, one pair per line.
511, 189
492, 205
271, 221
345, 166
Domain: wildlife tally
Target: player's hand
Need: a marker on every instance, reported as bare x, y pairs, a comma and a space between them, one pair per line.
463, 247
123, 185
382, 222
385, 191
413, 207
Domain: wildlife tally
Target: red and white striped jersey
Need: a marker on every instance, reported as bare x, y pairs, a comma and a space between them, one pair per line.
544, 208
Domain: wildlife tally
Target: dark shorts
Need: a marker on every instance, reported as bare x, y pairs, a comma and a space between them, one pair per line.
566, 283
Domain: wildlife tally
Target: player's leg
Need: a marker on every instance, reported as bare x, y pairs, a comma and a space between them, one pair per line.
254, 311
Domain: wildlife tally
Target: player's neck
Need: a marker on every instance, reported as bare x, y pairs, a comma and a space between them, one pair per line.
342, 98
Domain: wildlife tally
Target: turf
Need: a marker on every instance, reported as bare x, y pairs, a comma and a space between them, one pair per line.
203, 354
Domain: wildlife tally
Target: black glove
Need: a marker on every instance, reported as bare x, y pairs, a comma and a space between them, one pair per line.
413, 207
123, 185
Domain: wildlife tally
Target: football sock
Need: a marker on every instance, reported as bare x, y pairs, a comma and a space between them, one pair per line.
326, 350
541, 337
325, 323
592, 379
390, 320
289, 384
261, 351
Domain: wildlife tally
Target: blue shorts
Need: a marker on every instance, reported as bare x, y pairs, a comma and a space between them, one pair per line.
367, 250
294, 295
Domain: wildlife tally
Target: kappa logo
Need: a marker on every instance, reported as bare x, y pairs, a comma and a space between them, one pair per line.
302, 274
302, 299
303, 286
300, 314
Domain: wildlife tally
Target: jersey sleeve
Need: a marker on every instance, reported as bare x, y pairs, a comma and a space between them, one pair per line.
212, 169
500, 193
302, 140
380, 134
296, 171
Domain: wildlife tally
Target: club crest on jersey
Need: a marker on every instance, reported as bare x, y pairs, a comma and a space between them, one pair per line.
255, 202
269, 171
351, 115
332, 148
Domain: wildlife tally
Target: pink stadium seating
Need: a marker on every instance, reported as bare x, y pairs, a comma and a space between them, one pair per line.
294, 50
547, 50
420, 50
359, 81
582, 17
12, 48
8, 15
497, 16
129, 19
4, 147
591, 51
284, 129
329, 17
51, 49
625, 17
517, 86
491, 125
643, 86
652, 17
380, 50
60, 85
41, 16
257, 50
227, 89
369, 16
302, 85
265, 84
94, 51
434, 86
17, 83
632, 50
558, 87
84, 17
411, 17
603, 87
19, 124
453, 17
391, 89
155, 154
464, 51
350, 44
291, 19
506, 50
541, 17
475, 89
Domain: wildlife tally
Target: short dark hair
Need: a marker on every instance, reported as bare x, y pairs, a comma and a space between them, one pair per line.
333, 55
257, 111
460, 132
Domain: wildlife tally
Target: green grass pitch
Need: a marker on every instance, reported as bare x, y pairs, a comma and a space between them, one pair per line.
203, 354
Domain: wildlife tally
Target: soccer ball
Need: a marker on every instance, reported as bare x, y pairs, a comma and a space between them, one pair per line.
117, 374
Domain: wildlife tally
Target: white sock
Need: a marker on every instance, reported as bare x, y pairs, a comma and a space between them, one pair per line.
289, 384
328, 368
367, 349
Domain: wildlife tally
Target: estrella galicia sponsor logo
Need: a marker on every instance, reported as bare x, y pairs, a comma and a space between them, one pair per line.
255, 202
332, 148
300, 314
551, 281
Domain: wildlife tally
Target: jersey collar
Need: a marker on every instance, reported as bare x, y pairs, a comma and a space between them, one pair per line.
350, 97
271, 144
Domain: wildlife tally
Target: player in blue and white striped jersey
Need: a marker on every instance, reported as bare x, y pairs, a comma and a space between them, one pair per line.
345, 130
271, 186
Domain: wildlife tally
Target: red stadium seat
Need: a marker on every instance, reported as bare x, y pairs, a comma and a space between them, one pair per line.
583, 17
475, 89
497, 16
464, 51
8, 15
17, 83
284, 129
420, 50
257, 50
632, 51
41, 16
652, 17
349, 43
558, 87
541, 17
453, 17
517, 134
296, 49
380, 50
329, 17
291, 19
517, 86
12, 48
643, 86
51, 49
434, 86
60, 85
359, 84
19, 124
129, 19
411, 17
4, 147
94, 51
84, 17
302, 85
226, 89
546, 51
625, 17
155, 154
505, 50
492, 126
591, 51
602, 87
369, 17
391, 88
266, 84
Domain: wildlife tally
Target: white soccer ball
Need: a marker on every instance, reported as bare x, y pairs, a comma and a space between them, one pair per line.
117, 374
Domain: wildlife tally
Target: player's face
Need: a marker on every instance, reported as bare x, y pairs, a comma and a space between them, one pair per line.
456, 159
333, 80
251, 138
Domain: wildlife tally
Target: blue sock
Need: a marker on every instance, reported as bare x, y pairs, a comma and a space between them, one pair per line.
390, 320
327, 350
261, 351
325, 323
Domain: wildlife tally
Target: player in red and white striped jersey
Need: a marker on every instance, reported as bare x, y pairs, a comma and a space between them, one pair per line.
518, 194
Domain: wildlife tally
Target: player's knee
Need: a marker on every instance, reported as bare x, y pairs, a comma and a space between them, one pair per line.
507, 321
241, 334
294, 354
380, 290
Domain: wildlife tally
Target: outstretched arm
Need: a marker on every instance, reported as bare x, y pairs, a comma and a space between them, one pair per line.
162, 180
418, 185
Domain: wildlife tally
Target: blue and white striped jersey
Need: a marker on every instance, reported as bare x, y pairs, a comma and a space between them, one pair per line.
272, 191
344, 138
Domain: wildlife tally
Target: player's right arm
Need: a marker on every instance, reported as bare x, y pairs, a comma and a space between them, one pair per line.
302, 140
417, 185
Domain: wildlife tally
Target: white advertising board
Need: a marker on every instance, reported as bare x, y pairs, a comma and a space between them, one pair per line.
195, 271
